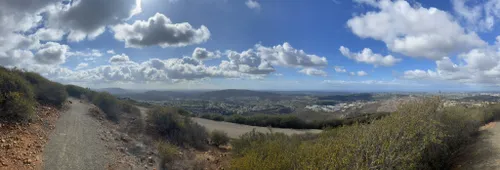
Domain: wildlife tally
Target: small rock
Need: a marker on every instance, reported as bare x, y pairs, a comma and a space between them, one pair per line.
125, 138
151, 160
2, 140
27, 161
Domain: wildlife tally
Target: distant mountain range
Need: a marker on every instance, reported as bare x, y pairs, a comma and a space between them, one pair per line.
115, 90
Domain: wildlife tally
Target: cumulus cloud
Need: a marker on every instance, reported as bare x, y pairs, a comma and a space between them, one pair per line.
110, 52
14, 57
413, 30
358, 73
252, 4
159, 30
81, 66
313, 72
339, 69
367, 56
87, 19
119, 59
204, 54
248, 61
51, 53
286, 55
478, 66
49, 34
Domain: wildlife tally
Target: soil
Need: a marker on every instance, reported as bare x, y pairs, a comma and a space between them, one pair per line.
22, 144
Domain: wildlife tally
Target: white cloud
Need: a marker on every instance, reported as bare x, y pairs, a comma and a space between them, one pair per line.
253, 4
367, 56
361, 73
110, 52
478, 66
48, 34
414, 30
87, 19
364, 82
478, 16
339, 69
313, 72
159, 30
89, 53
286, 55
247, 61
204, 54
119, 59
51, 53
358, 73
81, 66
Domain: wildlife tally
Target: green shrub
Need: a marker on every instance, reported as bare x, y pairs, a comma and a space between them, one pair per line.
420, 135
219, 138
127, 107
167, 153
47, 92
16, 97
80, 92
108, 104
177, 129
216, 117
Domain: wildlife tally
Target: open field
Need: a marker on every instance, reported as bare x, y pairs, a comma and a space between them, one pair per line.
235, 130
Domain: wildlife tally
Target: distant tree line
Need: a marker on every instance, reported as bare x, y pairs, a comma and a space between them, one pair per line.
291, 121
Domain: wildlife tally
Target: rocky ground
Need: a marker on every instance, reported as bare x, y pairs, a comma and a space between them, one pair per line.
135, 149
22, 144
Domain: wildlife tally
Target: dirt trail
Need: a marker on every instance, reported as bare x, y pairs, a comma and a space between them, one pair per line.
484, 154
234, 130
75, 143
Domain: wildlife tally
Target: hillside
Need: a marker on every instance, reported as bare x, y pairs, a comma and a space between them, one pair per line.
114, 91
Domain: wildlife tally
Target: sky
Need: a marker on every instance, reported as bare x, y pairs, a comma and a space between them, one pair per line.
332, 45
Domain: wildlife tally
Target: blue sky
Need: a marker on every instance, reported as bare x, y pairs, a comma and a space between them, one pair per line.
360, 45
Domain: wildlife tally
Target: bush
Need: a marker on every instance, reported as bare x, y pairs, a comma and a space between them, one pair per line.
216, 117
219, 138
80, 92
167, 153
47, 92
108, 104
420, 135
129, 108
177, 129
16, 97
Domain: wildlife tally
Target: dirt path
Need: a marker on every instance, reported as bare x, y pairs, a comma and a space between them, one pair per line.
75, 143
236, 130
485, 153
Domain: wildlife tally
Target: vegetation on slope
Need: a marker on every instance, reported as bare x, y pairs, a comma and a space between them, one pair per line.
420, 135
21, 91
177, 129
16, 96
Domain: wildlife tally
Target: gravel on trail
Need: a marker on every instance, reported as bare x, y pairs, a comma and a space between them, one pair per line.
75, 142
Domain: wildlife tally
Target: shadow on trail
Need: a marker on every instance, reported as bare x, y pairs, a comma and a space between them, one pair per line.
483, 153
